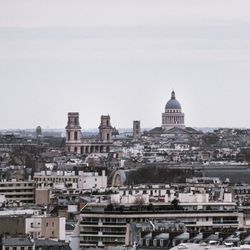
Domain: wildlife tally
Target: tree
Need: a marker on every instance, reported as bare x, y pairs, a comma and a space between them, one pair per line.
175, 204
38, 131
139, 201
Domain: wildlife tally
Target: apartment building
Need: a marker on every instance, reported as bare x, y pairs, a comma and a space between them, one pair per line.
102, 225
45, 226
70, 179
21, 192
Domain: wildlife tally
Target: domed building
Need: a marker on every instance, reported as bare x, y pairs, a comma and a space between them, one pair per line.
173, 116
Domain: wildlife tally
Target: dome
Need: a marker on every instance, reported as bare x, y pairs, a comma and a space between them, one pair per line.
173, 103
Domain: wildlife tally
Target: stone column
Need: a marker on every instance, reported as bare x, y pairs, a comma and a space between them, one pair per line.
79, 150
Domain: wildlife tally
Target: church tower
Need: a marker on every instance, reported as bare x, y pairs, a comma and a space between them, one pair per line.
173, 116
136, 129
73, 133
105, 129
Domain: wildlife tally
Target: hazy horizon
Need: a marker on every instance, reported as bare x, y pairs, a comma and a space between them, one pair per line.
123, 58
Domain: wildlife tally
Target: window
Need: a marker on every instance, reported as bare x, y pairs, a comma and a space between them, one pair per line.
52, 224
161, 242
22, 248
47, 224
29, 248
14, 248
7, 248
155, 243
31, 224
75, 135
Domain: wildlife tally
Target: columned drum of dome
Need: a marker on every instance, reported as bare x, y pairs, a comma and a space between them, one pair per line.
173, 116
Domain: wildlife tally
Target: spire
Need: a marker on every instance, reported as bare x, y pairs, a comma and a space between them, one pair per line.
173, 95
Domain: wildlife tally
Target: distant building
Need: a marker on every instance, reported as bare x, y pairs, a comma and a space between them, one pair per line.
25, 243
76, 144
173, 116
17, 243
45, 226
22, 192
136, 129
173, 124
66, 180
109, 225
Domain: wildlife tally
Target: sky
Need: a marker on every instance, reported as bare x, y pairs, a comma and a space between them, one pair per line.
123, 58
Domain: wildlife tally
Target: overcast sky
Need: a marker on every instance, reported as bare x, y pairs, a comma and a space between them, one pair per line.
123, 58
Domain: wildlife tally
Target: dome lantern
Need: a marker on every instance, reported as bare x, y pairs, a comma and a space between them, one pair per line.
173, 103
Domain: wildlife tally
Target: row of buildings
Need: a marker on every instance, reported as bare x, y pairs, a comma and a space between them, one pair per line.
151, 189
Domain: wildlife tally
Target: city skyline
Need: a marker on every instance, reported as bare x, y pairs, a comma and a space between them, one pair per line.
124, 59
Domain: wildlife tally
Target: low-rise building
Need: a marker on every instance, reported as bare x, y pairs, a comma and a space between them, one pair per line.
44, 226
17, 244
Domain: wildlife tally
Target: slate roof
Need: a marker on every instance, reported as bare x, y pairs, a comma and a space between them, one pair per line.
39, 242
17, 242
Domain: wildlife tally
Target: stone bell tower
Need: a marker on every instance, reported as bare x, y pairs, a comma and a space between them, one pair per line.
136, 129
105, 129
73, 133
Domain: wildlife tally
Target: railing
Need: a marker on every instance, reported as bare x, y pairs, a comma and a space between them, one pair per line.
89, 222
159, 211
114, 233
114, 223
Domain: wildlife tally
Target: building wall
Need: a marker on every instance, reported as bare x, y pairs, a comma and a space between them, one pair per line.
190, 197
53, 227
33, 226
106, 228
18, 191
49, 180
2, 199
42, 196
136, 129
18, 247
9, 222
92, 181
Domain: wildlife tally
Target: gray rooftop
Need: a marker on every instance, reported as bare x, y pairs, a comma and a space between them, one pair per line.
17, 242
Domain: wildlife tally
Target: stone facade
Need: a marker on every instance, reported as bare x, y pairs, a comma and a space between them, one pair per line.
136, 129
173, 116
76, 144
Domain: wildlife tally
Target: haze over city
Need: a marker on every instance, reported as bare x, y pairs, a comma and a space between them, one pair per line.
123, 58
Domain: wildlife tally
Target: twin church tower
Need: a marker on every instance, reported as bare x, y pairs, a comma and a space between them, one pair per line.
75, 143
